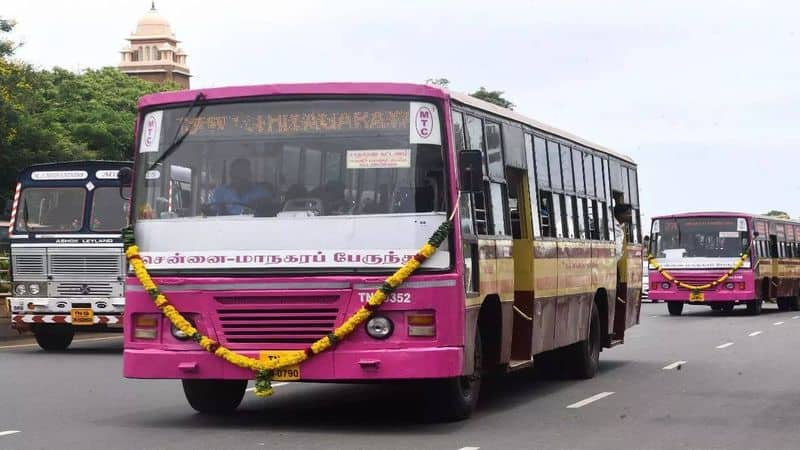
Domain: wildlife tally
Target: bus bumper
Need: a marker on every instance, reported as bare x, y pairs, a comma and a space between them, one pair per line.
336, 365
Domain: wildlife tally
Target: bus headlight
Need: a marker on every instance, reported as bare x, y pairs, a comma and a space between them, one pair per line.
177, 333
729, 286
379, 327
20, 289
665, 285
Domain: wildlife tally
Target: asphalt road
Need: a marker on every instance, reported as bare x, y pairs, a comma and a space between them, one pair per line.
673, 384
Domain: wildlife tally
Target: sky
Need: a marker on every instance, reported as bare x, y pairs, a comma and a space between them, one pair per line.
703, 96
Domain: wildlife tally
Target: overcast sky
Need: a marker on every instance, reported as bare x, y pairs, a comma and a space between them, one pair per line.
705, 98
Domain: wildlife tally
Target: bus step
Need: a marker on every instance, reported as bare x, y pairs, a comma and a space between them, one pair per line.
517, 364
615, 342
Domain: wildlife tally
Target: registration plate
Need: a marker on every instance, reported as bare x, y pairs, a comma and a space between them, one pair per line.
289, 373
696, 297
82, 316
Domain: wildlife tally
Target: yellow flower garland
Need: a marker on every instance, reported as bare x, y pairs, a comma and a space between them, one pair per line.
265, 368
667, 276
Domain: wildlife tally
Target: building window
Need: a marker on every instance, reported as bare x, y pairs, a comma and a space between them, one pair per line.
156, 56
147, 53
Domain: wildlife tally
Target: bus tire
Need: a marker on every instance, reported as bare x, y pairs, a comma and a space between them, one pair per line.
675, 308
716, 307
214, 397
54, 338
794, 303
584, 356
728, 307
454, 399
754, 307
783, 304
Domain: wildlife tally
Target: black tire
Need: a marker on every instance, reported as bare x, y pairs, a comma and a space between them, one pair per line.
54, 338
783, 304
675, 308
214, 397
584, 356
794, 303
728, 307
453, 399
754, 307
716, 307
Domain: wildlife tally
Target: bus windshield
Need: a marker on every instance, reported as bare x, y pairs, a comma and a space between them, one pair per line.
51, 209
699, 238
289, 162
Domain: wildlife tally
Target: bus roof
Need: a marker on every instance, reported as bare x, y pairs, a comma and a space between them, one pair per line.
722, 214
90, 167
407, 89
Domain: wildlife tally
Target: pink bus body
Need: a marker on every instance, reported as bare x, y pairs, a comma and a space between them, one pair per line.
451, 317
768, 274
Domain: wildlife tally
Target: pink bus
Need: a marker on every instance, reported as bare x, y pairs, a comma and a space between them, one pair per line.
724, 259
269, 215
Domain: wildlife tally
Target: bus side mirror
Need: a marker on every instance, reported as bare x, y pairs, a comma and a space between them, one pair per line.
470, 170
125, 177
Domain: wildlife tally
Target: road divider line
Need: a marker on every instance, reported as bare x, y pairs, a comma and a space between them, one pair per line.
675, 365
252, 389
778, 323
796, 317
470, 448
9, 432
589, 400
725, 345
108, 338
755, 333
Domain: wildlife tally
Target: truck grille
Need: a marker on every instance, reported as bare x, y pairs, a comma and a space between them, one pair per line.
108, 264
28, 264
84, 289
288, 324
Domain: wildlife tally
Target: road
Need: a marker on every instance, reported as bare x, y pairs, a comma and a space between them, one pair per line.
700, 381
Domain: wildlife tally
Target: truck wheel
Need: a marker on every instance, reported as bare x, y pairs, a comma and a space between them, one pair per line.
54, 338
214, 396
675, 308
584, 356
754, 307
454, 399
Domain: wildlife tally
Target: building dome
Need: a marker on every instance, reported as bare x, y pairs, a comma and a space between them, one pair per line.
153, 24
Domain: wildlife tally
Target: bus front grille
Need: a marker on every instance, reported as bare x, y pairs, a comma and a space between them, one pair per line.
260, 324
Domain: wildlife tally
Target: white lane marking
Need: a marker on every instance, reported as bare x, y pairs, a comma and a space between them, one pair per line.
2, 347
6, 433
796, 317
778, 323
252, 389
591, 399
470, 448
755, 333
725, 345
674, 365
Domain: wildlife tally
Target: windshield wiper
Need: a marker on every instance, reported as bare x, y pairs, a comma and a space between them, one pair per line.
178, 139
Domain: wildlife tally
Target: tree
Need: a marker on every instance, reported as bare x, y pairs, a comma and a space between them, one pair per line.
441, 82
495, 97
778, 214
7, 47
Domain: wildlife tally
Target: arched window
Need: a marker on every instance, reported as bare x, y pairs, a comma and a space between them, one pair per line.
155, 54
139, 54
147, 53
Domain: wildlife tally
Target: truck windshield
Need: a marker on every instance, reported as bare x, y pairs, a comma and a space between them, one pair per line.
109, 210
298, 158
701, 237
50, 209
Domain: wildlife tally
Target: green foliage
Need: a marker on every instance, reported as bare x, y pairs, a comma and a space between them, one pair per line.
58, 115
7, 47
441, 82
778, 214
495, 97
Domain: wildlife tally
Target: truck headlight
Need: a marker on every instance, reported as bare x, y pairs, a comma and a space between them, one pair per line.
34, 289
20, 289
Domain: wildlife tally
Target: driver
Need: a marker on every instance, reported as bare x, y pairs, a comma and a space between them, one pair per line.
241, 192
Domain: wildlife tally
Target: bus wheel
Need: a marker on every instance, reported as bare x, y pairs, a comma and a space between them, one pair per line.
584, 357
453, 399
716, 307
675, 308
728, 307
214, 396
794, 303
754, 307
53, 338
783, 304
